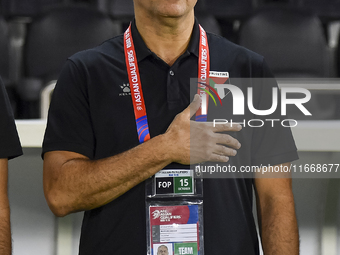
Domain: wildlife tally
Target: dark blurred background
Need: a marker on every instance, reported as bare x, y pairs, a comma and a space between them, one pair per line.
299, 39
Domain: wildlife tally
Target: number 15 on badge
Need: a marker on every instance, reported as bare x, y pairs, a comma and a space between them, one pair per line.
174, 182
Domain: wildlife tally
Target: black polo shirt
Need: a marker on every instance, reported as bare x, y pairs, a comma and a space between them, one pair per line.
92, 114
9, 141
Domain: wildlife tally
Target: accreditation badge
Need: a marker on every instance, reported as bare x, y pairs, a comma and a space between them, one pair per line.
175, 228
174, 209
174, 198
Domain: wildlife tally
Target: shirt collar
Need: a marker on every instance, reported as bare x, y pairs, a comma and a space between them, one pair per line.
142, 51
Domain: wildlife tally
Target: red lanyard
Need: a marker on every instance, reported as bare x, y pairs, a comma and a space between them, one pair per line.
136, 88
203, 76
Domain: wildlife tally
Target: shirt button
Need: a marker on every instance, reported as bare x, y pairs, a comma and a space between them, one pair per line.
172, 73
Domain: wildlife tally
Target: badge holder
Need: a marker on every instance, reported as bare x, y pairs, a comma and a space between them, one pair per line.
174, 203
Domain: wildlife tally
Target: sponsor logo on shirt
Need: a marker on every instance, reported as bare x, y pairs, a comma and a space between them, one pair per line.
126, 91
216, 74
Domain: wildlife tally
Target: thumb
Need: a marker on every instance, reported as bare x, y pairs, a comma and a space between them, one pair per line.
195, 105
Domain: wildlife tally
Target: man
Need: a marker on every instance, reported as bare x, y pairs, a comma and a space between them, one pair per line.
93, 160
162, 250
9, 148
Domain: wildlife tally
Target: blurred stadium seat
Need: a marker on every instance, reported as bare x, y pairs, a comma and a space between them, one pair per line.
226, 13
292, 41
206, 19
121, 9
27, 8
209, 23
231, 9
325, 9
294, 46
5, 63
51, 39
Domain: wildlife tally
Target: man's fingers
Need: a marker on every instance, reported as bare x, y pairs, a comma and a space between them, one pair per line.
228, 140
224, 151
222, 154
195, 105
218, 158
226, 127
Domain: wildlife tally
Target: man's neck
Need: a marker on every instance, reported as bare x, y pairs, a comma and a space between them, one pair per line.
168, 38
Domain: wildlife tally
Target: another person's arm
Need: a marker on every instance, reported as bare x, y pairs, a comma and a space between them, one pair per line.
276, 214
72, 182
5, 229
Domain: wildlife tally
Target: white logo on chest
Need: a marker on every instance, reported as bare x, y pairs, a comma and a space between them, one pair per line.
125, 90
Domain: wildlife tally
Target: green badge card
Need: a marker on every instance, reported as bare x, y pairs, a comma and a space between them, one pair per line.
185, 248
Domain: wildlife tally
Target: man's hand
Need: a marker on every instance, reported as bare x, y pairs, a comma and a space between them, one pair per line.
192, 142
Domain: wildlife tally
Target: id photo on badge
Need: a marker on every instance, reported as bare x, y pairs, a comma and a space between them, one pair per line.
162, 249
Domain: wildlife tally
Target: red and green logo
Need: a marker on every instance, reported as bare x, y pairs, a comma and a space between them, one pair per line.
212, 82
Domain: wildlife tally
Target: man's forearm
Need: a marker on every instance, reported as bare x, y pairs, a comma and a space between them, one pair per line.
74, 186
5, 225
278, 227
5, 231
